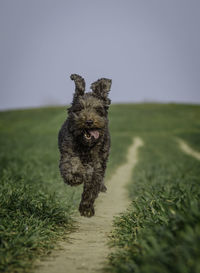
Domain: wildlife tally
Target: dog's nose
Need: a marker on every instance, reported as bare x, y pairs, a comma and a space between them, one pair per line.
89, 122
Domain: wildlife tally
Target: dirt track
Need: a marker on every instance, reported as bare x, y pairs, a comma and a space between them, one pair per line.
87, 249
188, 150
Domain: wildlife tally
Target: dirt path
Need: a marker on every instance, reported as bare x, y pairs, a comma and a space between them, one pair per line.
87, 250
188, 150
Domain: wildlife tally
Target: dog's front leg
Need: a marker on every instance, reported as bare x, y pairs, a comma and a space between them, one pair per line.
90, 192
72, 170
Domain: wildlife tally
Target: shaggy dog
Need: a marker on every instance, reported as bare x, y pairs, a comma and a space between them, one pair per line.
84, 141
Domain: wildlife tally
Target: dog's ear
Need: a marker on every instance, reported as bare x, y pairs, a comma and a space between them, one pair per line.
101, 89
79, 85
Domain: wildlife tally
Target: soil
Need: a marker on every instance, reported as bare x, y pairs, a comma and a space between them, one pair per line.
188, 150
87, 249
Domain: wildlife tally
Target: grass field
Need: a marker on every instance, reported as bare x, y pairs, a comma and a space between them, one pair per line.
160, 232
36, 206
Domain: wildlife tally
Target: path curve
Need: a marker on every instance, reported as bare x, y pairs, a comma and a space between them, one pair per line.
188, 150
87, 249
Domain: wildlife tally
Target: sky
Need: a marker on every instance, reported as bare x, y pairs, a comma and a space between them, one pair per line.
149, 48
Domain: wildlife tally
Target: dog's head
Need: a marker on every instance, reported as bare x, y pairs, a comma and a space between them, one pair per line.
88, 113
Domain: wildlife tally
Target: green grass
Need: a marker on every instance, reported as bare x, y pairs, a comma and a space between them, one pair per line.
161, 230
37, 208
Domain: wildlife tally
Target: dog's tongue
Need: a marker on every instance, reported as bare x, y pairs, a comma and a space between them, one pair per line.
94, 133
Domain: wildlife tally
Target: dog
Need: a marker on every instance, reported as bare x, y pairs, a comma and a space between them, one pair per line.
84, 141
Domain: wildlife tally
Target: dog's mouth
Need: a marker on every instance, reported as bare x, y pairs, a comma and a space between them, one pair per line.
91, 133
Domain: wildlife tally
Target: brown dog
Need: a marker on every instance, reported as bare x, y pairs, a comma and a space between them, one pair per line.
84, 141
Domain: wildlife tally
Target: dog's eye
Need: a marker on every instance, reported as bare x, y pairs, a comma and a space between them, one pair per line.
99, 110
76, 110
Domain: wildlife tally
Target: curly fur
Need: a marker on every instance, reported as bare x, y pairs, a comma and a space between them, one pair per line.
84, 141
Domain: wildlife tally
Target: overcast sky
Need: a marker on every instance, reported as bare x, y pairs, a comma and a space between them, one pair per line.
150, 49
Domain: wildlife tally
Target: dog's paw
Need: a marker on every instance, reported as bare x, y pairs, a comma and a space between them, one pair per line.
103, 188
85, 210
